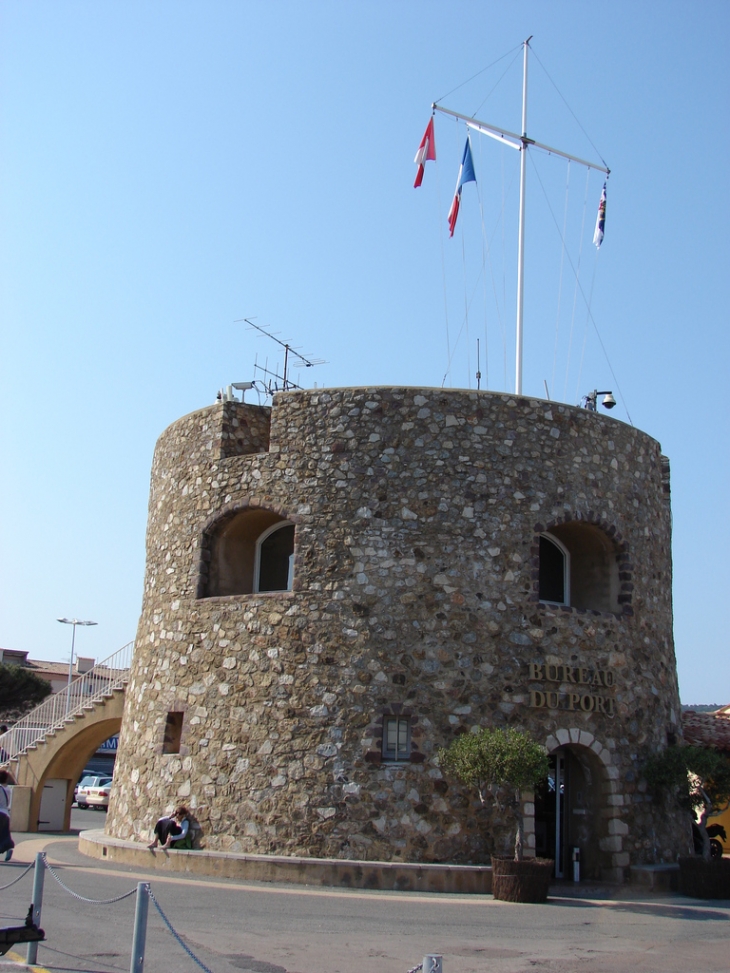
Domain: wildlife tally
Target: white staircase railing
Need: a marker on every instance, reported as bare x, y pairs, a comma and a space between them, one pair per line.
61, 708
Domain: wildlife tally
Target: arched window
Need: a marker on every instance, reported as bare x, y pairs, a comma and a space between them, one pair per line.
251, 551
554, 571
579, 567
275, 559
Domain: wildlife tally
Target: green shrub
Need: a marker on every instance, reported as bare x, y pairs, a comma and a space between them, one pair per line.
697, 779
499, 764
21, 688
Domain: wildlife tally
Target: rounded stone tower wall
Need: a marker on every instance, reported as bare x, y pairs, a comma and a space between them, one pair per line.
441, 560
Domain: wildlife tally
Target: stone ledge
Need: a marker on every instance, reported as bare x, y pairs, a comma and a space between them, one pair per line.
391, 876
656, 878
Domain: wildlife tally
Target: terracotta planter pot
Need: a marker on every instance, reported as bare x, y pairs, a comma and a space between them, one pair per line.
525, 881
704, 880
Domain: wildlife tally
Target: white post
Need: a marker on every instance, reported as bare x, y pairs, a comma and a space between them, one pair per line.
433, 963
140, 929
70, 668
40, 868
521, 231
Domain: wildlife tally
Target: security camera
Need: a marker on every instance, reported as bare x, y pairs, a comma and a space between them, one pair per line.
608, 401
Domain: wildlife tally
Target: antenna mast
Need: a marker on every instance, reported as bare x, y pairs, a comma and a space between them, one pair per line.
272, 381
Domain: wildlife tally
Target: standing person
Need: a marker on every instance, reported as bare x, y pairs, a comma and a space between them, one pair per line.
172, 828
4, 755
6, 799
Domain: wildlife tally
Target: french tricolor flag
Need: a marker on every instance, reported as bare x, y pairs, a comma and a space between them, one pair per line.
466, 174
426, 151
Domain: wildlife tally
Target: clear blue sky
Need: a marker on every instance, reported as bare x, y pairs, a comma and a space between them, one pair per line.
169, 167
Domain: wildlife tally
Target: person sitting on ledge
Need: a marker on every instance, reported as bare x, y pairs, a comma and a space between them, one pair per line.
173, 829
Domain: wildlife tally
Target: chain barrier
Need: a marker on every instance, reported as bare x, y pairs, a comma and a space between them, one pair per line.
22, 874
119, 898
174, 934
82, 898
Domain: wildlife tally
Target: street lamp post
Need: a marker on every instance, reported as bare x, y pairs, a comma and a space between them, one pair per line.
74, 622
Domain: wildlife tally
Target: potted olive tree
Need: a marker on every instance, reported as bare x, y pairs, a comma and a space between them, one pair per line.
697, 780
500, 764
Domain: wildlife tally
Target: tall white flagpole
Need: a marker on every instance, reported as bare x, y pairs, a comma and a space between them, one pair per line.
520, 142
521, 231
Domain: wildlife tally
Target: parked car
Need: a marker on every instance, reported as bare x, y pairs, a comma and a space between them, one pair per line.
98, 797
88, 791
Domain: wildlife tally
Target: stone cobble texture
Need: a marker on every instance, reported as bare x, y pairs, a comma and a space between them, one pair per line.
417, 518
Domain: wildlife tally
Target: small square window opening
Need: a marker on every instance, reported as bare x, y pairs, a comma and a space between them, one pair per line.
173, 733
396, 738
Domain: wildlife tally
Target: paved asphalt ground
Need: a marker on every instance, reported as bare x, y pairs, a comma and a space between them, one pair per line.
232, 926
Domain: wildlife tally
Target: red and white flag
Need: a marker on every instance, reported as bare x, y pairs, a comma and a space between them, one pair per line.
426, 151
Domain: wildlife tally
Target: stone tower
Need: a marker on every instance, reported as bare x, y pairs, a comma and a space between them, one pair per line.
339, 583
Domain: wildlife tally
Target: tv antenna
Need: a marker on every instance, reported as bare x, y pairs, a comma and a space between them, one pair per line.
272, 381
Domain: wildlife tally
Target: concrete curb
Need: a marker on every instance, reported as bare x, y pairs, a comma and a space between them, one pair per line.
391, 876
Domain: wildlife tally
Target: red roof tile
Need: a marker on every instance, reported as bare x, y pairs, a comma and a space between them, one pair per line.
707, 729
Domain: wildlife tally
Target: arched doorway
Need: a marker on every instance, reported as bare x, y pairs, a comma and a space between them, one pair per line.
568, 807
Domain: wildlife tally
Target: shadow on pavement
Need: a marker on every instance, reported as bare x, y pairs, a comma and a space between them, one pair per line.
662, 909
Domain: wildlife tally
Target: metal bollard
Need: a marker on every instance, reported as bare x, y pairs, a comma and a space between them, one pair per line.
140, 929
576, 864
433, 963
38, 875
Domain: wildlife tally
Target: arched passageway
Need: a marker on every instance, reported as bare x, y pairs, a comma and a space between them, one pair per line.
47, 774
571, 809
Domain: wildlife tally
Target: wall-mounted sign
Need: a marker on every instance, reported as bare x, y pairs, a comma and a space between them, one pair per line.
580, 692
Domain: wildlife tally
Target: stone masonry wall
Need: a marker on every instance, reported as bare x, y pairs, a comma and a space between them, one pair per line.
417, 518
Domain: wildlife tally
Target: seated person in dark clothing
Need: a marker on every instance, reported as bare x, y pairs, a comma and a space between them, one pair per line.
173, 828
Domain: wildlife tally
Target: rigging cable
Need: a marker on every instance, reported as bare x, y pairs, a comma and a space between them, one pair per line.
466, 309
504, 276
449, 352
560, 279
585, 329
485, 256
595, 264
443, 256
487, 244
498, 81
516, 54
465, 321
590, 313
577, 282
577, 120
518, 49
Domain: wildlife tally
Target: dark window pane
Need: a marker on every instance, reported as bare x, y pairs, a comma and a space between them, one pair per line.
274, 560
552, 572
